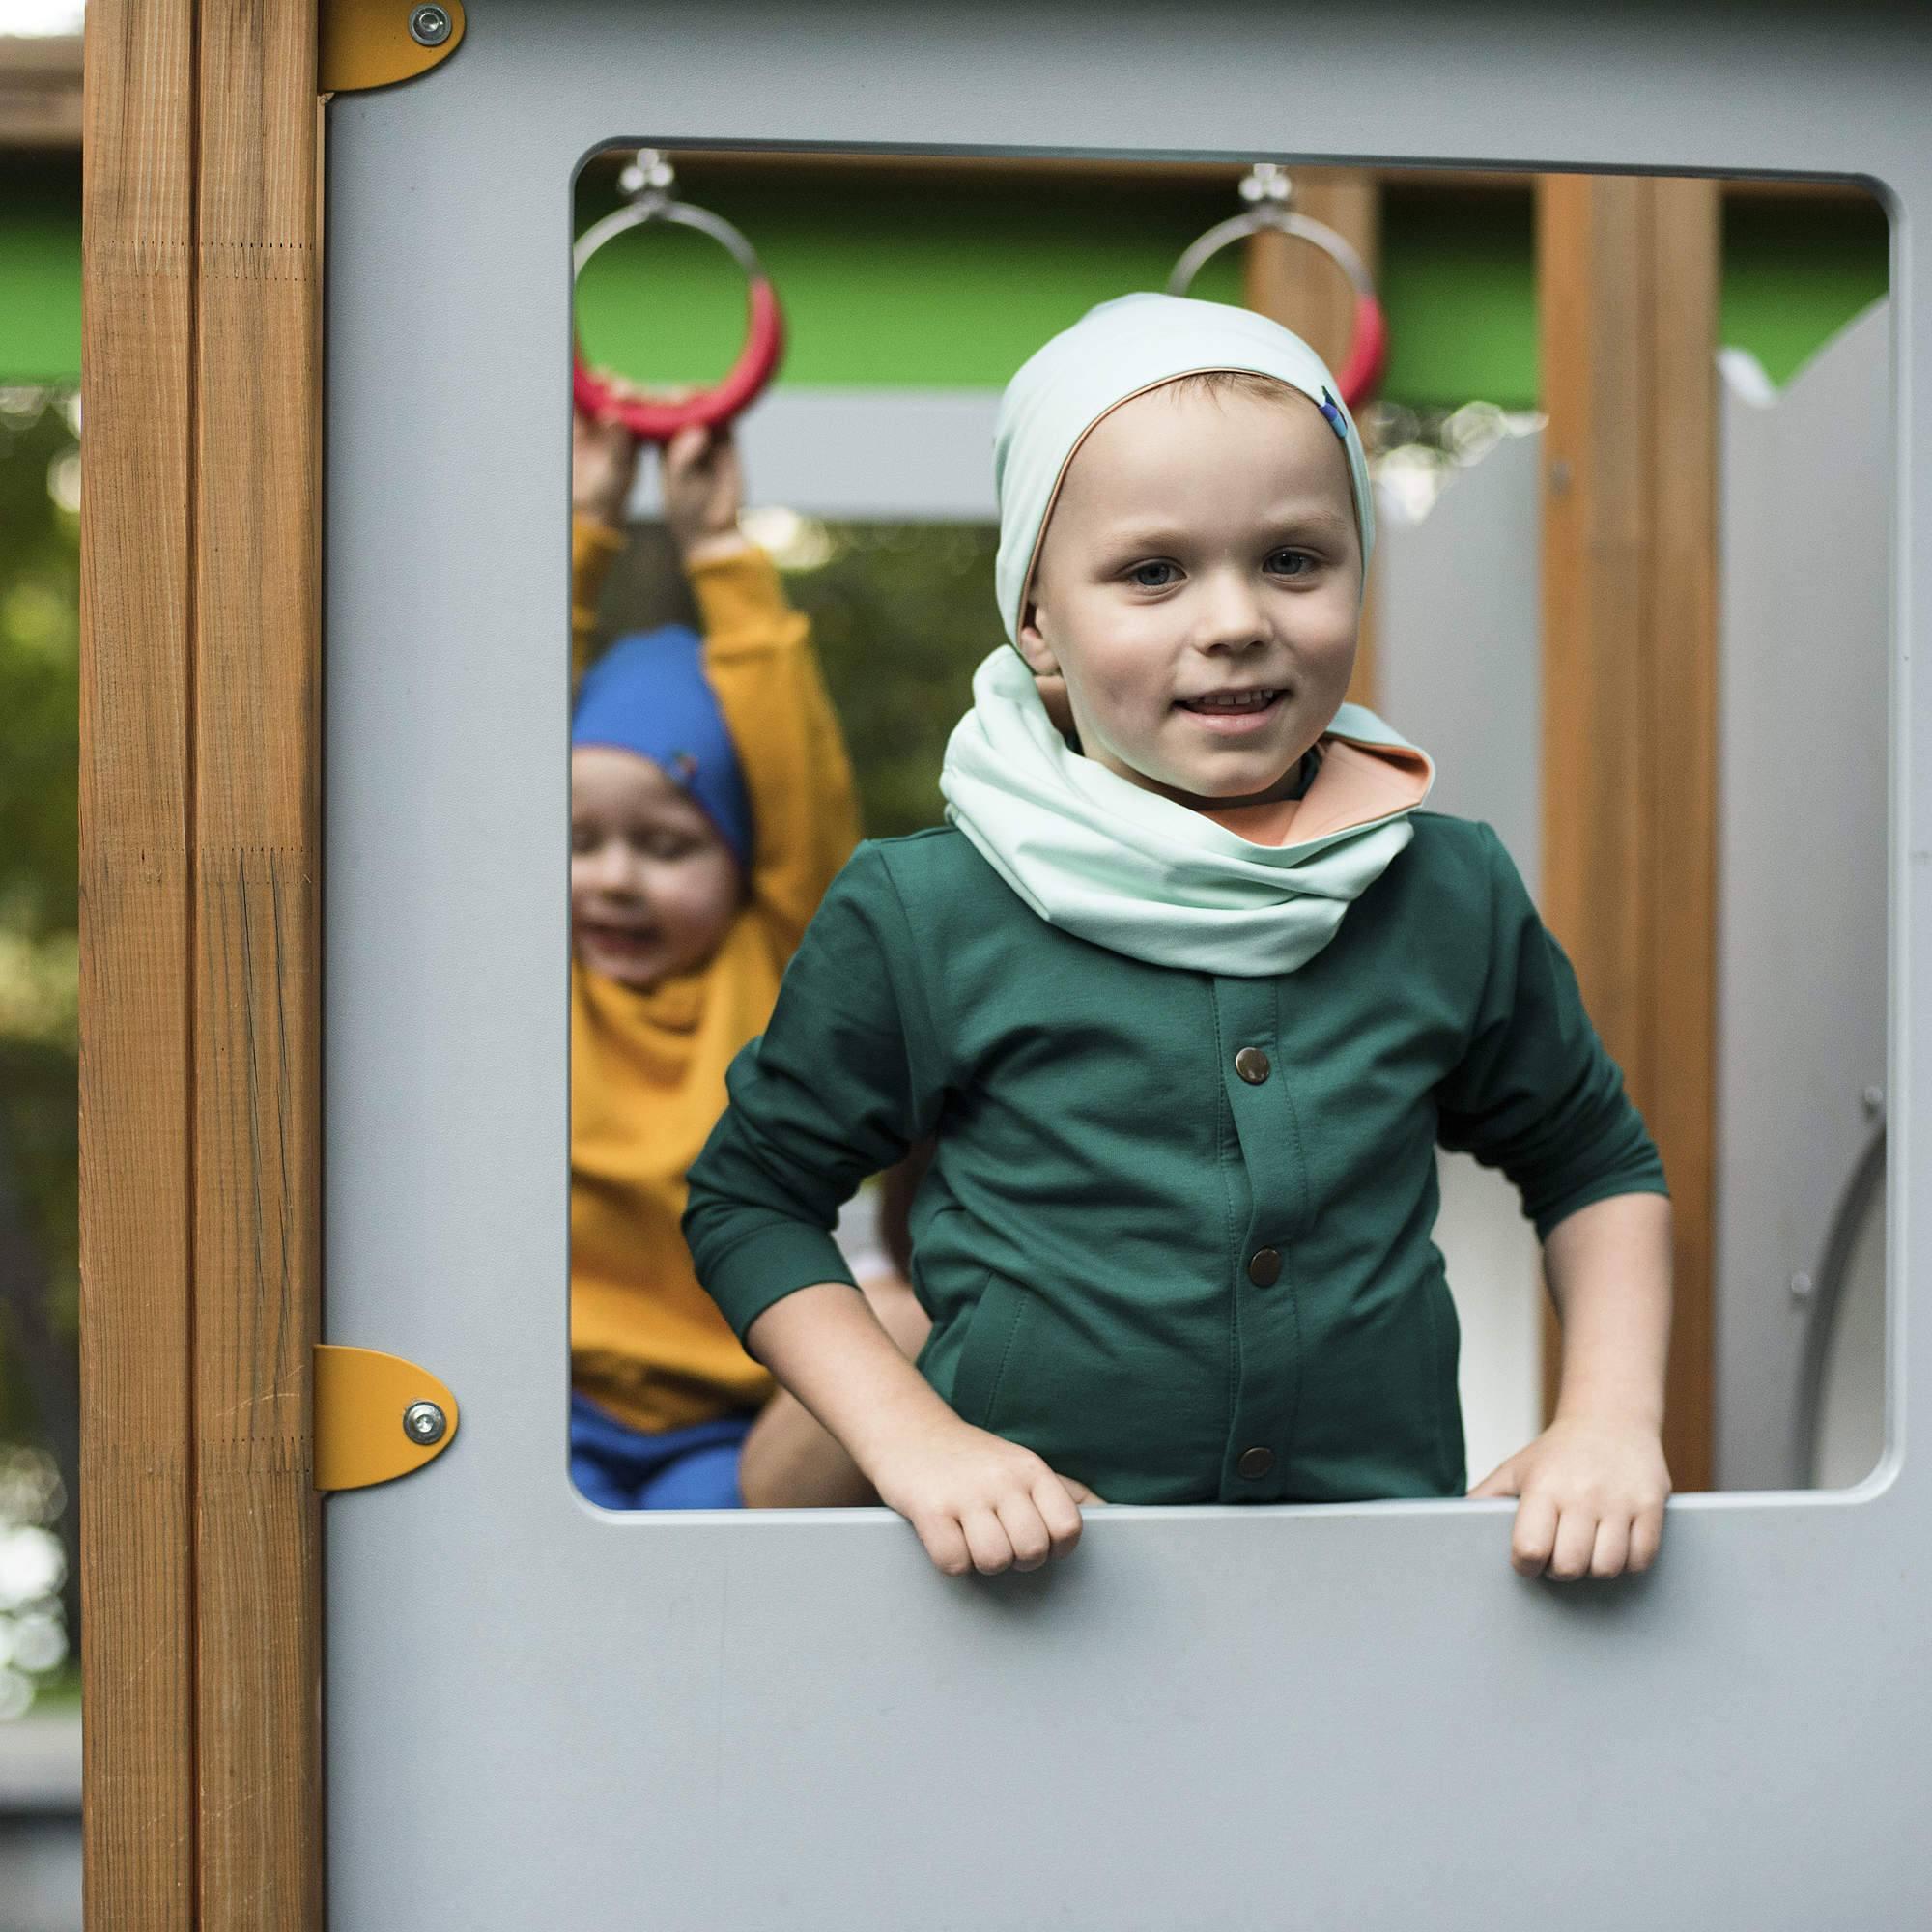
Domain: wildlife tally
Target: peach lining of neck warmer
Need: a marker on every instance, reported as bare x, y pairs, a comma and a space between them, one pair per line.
1356, 784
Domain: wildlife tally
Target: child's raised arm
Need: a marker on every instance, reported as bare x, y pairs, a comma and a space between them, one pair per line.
603, 467
759, 660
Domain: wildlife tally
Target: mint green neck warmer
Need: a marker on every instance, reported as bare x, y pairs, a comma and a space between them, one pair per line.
1134, 871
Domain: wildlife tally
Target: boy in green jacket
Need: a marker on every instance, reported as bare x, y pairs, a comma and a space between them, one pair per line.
1187, 1006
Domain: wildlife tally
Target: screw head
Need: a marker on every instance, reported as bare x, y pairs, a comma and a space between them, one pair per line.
1873, 1100
430, 26
424, 1424
1801, 1287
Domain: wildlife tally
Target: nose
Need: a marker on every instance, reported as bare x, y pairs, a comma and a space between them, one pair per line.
1229, 616
609, 867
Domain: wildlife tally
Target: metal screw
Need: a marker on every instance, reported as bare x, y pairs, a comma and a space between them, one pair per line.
1801, 1287
1874, 1101
429, 27
424, 1424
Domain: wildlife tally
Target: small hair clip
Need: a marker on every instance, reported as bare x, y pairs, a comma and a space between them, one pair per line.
1332, 409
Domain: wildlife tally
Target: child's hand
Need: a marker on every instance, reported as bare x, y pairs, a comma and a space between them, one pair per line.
703, 487
1592, 1497
980, 1502
603, 468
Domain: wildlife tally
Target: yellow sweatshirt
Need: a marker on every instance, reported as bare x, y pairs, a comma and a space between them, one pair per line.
647, 1070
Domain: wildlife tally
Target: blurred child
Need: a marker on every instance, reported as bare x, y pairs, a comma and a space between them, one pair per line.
711, 802
1188, 1003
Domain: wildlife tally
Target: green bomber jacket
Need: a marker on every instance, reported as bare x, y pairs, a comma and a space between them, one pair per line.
1177, 1237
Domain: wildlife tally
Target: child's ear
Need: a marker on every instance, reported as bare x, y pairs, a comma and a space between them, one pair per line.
1034, 647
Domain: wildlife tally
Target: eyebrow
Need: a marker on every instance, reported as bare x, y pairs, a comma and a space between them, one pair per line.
1299, 523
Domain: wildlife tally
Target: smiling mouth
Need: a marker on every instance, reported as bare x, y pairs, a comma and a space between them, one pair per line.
1224, 702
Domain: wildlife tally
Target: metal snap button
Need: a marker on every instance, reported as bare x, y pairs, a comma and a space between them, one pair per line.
1256, 1462
1264, 1266
1252, 1064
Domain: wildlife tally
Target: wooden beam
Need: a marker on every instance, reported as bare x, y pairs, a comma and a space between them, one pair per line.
41, 92
136, 926
1628, 270
199, 867
257, 820
1298, 287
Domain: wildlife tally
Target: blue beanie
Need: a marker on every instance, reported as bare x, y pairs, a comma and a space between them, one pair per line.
648, 693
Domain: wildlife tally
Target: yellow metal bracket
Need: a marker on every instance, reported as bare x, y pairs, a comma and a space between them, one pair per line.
364, 43
377, 1417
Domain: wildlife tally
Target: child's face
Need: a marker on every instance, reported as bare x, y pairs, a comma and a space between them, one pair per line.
653, 886
1203, 545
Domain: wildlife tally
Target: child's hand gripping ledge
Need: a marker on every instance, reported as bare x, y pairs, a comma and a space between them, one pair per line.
1592, 1484
977, 1501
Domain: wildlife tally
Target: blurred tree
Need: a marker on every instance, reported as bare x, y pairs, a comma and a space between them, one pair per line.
40, 696
901, 614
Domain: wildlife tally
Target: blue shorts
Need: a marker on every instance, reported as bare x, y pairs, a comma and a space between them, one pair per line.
623, 1468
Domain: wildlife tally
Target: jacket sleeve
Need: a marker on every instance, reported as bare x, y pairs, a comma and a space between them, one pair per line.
1536, 1093
593, 547
843, 1079
759, 659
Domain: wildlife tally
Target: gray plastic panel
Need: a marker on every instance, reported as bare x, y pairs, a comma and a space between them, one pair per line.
1800, 852
1344, 1718
1458, 652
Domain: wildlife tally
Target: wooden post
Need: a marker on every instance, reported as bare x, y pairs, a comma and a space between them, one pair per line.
1628, 273
137, 1161
200, 856
1290, 282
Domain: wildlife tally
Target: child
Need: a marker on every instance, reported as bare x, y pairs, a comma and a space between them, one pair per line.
711, 802
1188, 1009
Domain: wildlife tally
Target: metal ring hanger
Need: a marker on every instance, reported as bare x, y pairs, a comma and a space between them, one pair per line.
648, 181
1267, 188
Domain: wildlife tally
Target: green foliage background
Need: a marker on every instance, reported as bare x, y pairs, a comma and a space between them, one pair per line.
901, 614
40, 703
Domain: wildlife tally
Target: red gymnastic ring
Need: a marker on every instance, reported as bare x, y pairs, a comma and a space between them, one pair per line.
1362, 368
658, 422
1361, 374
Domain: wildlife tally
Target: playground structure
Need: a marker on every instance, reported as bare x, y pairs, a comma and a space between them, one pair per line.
205, 1144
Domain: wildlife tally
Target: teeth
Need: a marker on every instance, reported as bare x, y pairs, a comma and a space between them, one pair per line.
1240, 700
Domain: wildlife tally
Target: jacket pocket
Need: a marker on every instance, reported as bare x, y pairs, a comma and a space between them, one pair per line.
992, 1334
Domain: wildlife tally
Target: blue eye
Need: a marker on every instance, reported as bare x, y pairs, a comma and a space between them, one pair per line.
1292, 563
1138, 573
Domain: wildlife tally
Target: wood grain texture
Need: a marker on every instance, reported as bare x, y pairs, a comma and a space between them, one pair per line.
256, 1052
1681, 725
136, 789
1301, 289
1628, 277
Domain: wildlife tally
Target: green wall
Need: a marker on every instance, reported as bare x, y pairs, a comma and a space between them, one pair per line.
1459, 287
938, 287
916, 285
40, 271
900, 287
1795, 274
